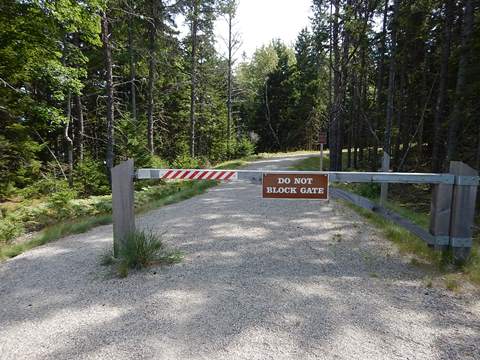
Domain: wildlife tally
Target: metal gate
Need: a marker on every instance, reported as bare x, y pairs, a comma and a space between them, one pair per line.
452, 206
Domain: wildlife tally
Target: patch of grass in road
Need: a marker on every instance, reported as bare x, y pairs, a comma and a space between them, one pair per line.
171, 193
141, 250
452, 282
472, 267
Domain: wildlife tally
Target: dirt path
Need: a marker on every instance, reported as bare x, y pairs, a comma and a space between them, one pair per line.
261, 280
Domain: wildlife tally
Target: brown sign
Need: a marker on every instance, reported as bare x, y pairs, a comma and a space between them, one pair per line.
322, 138
295, 186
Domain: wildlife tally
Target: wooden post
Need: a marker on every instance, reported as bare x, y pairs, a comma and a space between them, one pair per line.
384, 186
440, 214
122, 203
463, 209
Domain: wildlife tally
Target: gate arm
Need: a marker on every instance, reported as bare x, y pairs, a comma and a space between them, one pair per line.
256, 176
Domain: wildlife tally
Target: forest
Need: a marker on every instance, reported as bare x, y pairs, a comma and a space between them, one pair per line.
84, 85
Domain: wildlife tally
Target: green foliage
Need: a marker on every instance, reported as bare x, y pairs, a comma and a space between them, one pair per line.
107, 258
186, 162
406, 242
57, 215
368, 190
90, 178
472, 267
60, 203
43, 187
142, 249
243, 148
54, 233
284, 101
9, 230
156, 162
18, 161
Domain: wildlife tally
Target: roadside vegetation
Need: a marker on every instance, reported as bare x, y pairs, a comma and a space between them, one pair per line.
61, 214
413, 203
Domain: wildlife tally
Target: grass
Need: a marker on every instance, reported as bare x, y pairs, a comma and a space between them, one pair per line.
141, 249
452, 282
232, 164
406, 242
311, 164
53, 233
412, 204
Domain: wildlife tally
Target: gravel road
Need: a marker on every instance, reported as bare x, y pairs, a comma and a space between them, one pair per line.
261, 279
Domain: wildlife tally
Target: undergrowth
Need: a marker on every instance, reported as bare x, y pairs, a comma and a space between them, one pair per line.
146, 199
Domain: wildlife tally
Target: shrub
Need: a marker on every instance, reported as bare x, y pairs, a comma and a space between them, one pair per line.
90, 178
368, 190
140, 250
156, 162
186, 162
60, 203
243, 148
44, 187
10, 229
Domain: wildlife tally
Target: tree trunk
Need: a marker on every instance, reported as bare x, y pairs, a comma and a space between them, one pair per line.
69, 140
152, 71
404, 111
107, 46
80, 128
230, 70
344, 80
456, 115
337, 98
330, 76
440, 106
387, 144
379, 85
193, 80
133, 70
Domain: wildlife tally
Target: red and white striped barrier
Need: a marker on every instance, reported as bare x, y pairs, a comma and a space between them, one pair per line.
193, 174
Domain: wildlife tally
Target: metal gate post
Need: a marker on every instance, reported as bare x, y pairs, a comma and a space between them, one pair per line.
463, 209
384, 186
440, 214
123, 213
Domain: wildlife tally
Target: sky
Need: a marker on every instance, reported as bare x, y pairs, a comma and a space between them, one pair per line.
260, 21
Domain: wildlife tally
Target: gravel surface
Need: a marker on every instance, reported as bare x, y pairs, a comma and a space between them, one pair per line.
261, 279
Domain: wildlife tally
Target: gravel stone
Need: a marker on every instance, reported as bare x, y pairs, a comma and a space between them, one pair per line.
261, 279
